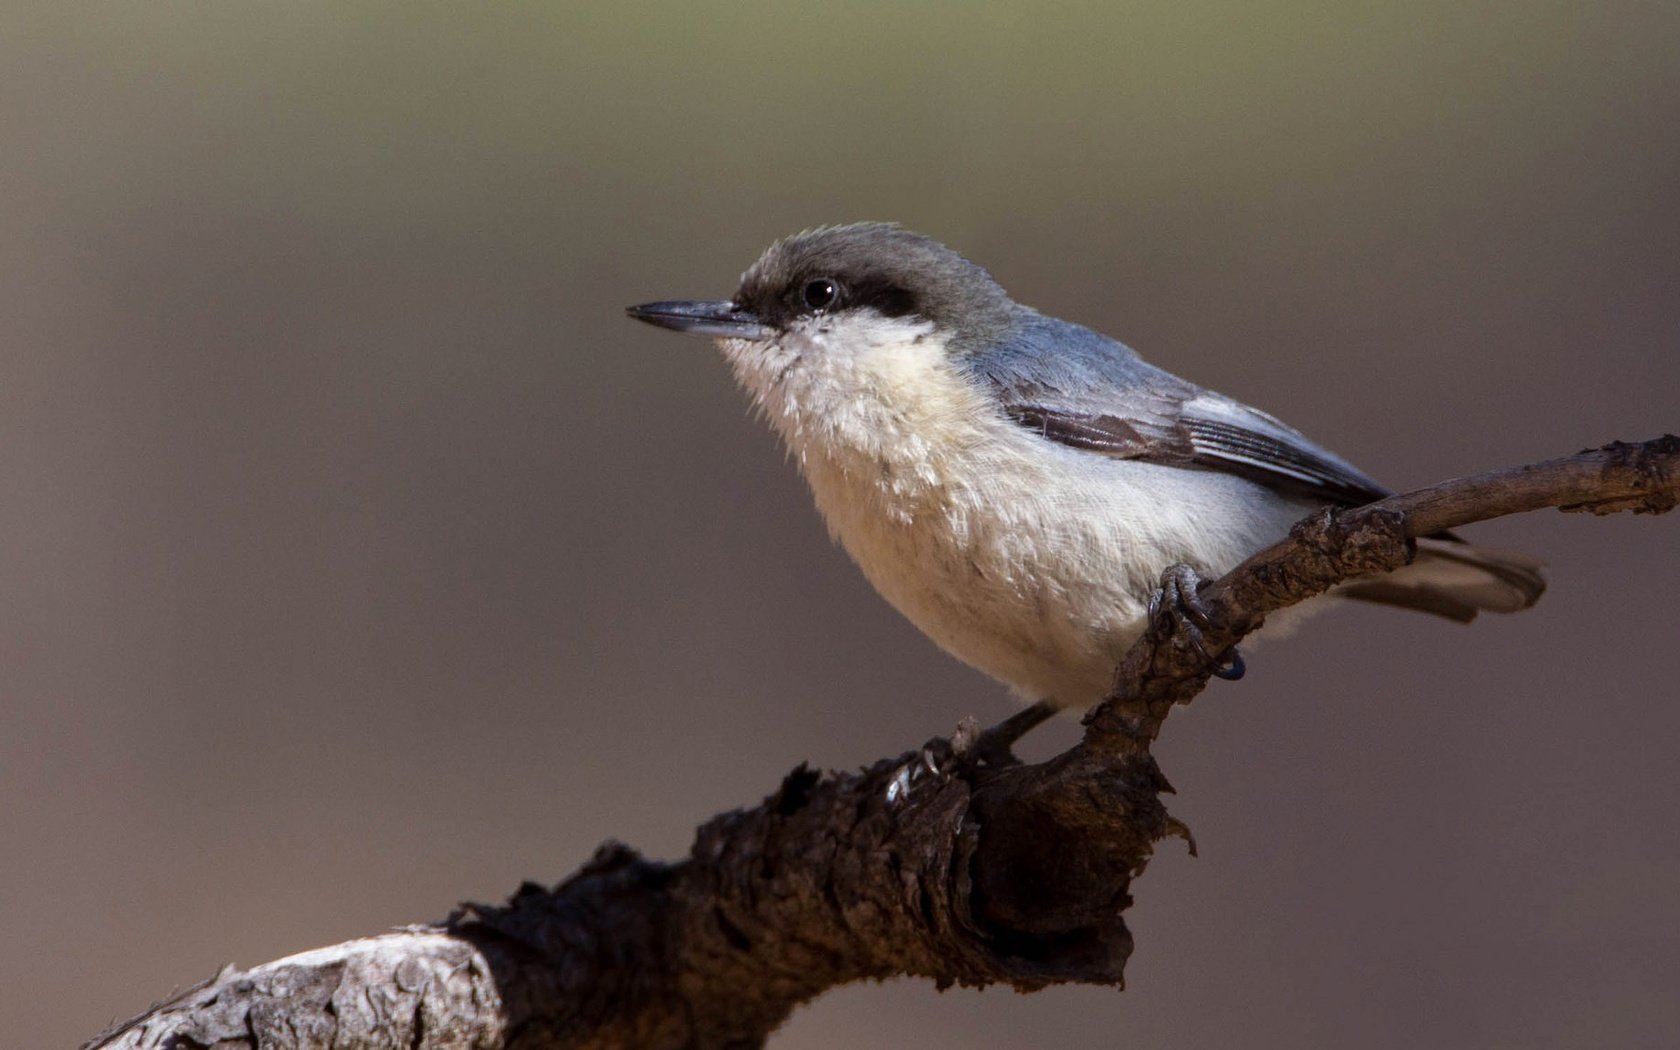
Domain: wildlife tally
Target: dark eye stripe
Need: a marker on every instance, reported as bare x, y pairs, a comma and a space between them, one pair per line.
885, 297
815, 292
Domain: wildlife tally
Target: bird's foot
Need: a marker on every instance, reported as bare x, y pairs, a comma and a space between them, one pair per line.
924, 766
1178, 598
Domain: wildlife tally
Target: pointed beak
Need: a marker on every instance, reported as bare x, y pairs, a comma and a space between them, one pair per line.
703, 317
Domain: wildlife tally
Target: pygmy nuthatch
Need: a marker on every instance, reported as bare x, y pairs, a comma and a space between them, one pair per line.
1015, 484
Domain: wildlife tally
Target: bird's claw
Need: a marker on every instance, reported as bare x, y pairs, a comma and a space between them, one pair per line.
1180, 599
1230, 666
906, 776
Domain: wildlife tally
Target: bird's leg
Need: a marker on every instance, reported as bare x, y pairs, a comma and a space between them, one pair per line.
1179, 599
993, 746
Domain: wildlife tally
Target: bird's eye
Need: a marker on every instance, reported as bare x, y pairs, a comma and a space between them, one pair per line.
821, 294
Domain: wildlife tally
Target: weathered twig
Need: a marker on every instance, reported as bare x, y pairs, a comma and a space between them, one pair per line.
1333, 546
934, 864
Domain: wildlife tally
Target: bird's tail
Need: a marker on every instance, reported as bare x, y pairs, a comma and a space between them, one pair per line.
1451, 578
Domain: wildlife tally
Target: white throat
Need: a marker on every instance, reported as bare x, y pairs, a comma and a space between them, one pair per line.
871, 398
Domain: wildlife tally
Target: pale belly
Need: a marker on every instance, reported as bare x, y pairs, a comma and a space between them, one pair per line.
1038, 571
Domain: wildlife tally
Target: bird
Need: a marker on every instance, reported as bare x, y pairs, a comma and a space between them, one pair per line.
1014, 484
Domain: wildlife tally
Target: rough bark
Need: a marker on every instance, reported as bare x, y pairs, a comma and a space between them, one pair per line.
938, 863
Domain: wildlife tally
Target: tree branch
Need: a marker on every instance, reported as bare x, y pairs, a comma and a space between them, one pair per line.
937, 863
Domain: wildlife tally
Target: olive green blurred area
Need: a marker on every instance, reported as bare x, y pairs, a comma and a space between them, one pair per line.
357, 556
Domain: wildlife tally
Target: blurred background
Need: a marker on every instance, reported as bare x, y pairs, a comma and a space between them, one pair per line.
357, 556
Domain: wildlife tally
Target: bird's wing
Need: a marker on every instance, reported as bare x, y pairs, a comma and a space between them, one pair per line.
1082, 389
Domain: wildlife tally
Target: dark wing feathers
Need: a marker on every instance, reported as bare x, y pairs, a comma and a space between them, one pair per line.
1289, 466
1082, 389
1107, 434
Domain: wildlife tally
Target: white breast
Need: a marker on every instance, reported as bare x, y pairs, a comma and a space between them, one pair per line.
1031, 561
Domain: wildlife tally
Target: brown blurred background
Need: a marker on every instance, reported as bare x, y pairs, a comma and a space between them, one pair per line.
357, 556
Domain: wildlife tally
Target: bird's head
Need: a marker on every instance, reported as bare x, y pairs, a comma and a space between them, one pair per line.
843, 289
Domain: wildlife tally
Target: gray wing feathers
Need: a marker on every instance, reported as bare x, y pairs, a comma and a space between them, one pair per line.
1083, 389
1080, 388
